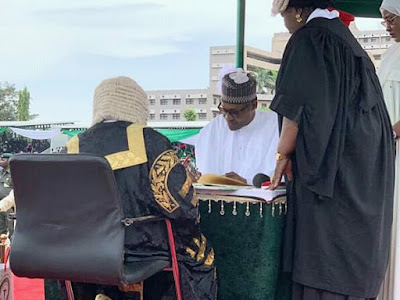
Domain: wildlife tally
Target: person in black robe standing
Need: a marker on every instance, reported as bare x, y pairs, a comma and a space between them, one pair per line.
337, 150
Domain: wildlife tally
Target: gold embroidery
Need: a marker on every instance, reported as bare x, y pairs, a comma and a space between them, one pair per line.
202, 249
123, 159
159, 173
210, 259
73, 145
136, 154
186, 187
197, 242
195, 200
136, 140
191, 252
200, 254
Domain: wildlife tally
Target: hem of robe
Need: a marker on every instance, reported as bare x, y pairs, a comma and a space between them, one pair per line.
302, 292
330, 288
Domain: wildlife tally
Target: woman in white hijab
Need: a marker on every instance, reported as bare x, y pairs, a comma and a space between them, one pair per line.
389, 76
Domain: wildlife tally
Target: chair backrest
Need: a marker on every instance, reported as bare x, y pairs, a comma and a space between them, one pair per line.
68, 219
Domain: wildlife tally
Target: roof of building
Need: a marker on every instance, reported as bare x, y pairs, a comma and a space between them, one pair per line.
180, 124
73, 125
157, 125
33, 123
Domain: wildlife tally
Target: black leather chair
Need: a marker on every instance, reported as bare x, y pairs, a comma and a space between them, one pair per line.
70, 224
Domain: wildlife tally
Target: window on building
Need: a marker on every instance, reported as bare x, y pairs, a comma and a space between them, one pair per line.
216, 114
388, 38
177, 101
365, 40
163, 117
374, 39
264, 105
176, 116
189, 101
203, 101
215, 101
152, 101
202, 116
152, 116
164, 101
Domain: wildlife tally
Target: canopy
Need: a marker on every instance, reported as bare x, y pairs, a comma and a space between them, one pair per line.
360, 8
176, 135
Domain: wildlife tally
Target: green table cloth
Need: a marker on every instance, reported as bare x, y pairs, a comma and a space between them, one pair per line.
247, 244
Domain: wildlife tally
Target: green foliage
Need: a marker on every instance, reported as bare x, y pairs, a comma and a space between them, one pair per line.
23, 105
14, 105
264, 108
8, 102
265, 79
190, 115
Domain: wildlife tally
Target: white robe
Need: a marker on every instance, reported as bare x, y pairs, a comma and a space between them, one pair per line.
247, 151
389, 75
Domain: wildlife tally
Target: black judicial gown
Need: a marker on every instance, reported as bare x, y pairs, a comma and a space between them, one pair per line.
338, 231
159, 186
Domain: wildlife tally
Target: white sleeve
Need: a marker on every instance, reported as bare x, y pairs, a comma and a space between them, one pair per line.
7, 202
205, 149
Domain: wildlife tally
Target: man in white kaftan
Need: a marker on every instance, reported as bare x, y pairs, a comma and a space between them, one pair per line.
242, 141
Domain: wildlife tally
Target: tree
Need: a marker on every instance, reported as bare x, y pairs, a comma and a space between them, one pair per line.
23, 105
189, 115
266, 79
8, 102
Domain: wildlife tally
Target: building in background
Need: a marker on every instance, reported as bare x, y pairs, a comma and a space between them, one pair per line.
170, 105
253, 59
375, 42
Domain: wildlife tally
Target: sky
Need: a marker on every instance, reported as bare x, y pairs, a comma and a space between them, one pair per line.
62, 49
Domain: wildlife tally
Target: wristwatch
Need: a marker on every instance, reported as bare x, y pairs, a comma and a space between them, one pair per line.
280, 156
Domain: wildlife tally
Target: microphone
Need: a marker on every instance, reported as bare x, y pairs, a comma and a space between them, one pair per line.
259, 179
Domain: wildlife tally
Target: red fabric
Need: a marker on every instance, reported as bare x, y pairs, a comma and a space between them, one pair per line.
28, 289
346, 18
268, 183
175, 267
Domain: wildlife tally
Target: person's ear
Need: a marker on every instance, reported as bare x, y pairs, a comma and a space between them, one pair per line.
255, 104
299, 11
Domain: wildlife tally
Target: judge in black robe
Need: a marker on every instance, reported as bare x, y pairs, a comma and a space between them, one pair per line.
151, 181
337, 148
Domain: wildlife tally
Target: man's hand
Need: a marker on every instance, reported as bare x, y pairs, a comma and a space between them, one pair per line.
235, 176
193, 174
283, 166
